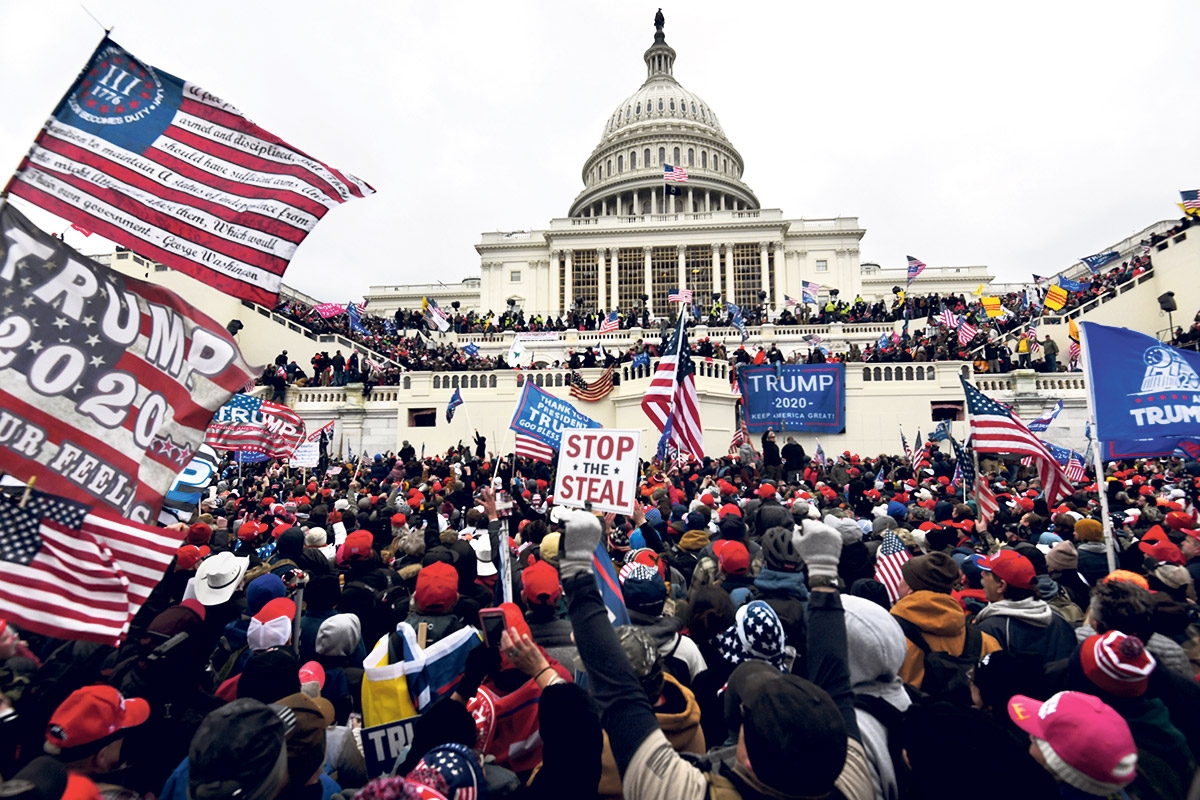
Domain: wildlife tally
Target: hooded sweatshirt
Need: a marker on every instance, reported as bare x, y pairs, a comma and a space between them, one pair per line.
944, 626
876, 649
678, 718
1028, 626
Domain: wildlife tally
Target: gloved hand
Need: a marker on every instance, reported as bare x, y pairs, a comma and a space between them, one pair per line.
821, 547
579, 542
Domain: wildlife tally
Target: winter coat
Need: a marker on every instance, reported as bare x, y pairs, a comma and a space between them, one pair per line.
787, 594
944, 626
1093, 561
1028, 626
680, 723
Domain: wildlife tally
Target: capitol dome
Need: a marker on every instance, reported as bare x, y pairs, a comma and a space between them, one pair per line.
662, 123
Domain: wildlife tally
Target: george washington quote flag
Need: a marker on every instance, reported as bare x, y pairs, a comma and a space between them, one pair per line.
107, 383
159, 165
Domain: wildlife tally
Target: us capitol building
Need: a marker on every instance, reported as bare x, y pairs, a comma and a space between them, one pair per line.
623, 240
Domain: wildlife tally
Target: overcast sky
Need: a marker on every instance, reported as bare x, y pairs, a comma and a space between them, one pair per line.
1021, 135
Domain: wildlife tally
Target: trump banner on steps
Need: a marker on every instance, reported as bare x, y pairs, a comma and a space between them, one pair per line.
1146, 394
807, 398
106, 382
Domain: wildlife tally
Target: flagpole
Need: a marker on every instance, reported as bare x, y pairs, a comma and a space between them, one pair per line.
1101, 484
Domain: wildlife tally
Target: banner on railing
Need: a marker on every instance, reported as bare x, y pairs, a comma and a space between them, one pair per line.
538, 336
807, 398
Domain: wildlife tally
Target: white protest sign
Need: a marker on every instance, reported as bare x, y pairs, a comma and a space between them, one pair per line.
598, 466
307, 454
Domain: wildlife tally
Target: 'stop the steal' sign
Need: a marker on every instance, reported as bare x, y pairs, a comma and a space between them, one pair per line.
106, 382
808, 398
598, 467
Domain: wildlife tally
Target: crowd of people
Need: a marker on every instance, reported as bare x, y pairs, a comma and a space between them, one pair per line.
796, 629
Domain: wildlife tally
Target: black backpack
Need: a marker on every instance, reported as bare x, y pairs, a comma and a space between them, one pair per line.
946, 675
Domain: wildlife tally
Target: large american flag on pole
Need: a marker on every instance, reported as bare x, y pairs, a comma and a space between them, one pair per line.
947, 318
995, 429
890, 559
672, 395
676, 174
966, 332
163, 167
985, 498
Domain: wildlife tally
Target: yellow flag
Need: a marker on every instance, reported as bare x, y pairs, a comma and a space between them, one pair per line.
1056, 298
978, 292
992, 306
1073, 329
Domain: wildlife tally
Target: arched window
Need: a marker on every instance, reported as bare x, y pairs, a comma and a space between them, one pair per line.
660, 104
691, 157
628, 112
693, 109
725, 165
520, 379
703, 159
662, 156
407, 382
454, 381
558, 379
908, 373
866, 373
437, 380
639, 108
474, 381
610, 168
676, 161
672, 105
633, 159
620, 164
491, 381
646, 158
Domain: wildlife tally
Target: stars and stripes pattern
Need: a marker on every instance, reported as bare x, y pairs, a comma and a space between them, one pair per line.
904, 445
673, 174
966, 332
809, 290
1034, 345
671, 396
964, 469
915, 267
142, 552
1191, 200
456, 400
1074, 351
891, 558
819, 456
997, 430
255, 425
679, 296
740, 436
986, 500
947, 318
1075, 469
529, 447
788, 302
184, 178
610, 323
596, 390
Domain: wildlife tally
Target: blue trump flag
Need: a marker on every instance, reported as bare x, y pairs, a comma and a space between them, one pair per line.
544, 417
794, 397
1094, 263
1073, 286
355, 315
1145, 394
455, 401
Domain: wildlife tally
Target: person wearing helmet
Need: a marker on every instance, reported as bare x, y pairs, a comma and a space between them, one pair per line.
781, 584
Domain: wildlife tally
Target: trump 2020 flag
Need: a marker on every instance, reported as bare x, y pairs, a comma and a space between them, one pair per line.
251, 425
106, 382
1146, 394
161, 166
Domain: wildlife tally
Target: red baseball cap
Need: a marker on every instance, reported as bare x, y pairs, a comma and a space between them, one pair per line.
732, 557
398, 519
1193, 533
540, 584
1162, 550
708, 500
199, 533
766, 491
729, 508
1010, 567
437, 588
357, 545
1083, 740
91, 718
188, 556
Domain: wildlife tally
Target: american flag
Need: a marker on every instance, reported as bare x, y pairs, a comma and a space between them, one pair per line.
57, 580
985, 498
812, 339
471, 349
610, 323
679, 296
790, 301
964, 462
1074, 351
915, 267
326, 428
1191, 200
947, 317
891, 558
671, 395
819, 456
1075, 469
529, 447
904, 443
676, 174
966, 332
1040, 424
809, 291
740, 436
997, 430
142, 552
167, 169
596, 390
257, 426
1034, 345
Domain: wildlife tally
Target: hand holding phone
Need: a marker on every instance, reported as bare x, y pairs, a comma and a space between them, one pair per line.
494, 623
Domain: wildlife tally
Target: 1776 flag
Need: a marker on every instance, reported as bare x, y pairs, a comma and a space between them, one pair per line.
109, 381
169, 170
671, 395
996, 430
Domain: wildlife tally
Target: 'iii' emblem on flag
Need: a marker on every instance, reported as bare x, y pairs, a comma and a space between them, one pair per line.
159, 165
